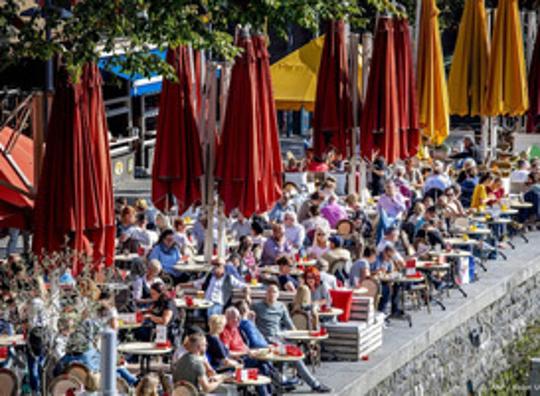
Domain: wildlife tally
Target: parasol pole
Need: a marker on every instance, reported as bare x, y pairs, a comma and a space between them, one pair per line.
354, 38
210, 162
417, 32
367, 49
486, 122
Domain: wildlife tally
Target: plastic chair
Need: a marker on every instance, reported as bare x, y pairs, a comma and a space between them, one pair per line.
9, 385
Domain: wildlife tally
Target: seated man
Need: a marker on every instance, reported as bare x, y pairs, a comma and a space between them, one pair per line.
218, 287
287, 282
191, 367
232, 339
275, 246
337, 253
271, 318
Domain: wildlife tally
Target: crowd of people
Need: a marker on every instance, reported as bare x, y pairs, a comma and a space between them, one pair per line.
412, 208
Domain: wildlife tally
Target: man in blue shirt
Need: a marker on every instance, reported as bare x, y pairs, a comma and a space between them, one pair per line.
271, 317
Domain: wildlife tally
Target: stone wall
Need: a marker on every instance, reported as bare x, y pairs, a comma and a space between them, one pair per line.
472, 353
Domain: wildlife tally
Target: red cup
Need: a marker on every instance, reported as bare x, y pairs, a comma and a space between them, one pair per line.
365, 358
238, 374
189, 301
3, 353
253, 374
139, 317
140, 251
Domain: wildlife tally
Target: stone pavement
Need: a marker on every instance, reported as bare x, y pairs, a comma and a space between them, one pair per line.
402, 344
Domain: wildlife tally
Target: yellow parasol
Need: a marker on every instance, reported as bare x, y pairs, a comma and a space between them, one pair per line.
507, 76
468, 74
432, 92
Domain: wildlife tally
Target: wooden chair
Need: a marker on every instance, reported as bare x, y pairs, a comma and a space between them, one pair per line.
63, 383
184, 388
84, 375
9, 385
373, 290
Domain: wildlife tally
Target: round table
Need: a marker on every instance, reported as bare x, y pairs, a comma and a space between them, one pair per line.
521, 205
145, 350
509, 212
200, 258
126, 257
451, 254
192, 268
306, 262
301, 335
198, 303
477, 231
13, 340
244, 385
266, 355
329, 313
128, 326
461, 242
274, 270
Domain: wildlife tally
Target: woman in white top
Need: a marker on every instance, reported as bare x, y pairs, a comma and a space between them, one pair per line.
320, 244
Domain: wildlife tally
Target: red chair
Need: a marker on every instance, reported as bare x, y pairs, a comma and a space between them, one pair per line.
342, 299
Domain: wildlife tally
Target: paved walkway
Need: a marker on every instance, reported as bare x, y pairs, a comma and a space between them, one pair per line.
401, 343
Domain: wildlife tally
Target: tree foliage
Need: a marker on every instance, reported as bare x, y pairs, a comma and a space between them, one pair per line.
80, 32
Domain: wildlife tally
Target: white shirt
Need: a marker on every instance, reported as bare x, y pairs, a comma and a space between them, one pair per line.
146, 237
519, 176
137, 286
214, 292
329, 280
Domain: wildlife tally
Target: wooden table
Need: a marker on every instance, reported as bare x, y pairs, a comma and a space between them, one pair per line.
198, 303
145, 350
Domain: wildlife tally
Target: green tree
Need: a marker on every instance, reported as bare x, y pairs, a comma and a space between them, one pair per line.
96, 26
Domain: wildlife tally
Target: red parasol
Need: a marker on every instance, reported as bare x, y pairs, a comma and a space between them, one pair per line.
178, 161
380, 115
533, 119
269, 148
332, 119
75, 196
16, 178
409, 129
238, 159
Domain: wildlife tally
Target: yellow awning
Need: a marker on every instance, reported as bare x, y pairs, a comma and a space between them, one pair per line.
432, 91
294, 77
507, 76
468, 73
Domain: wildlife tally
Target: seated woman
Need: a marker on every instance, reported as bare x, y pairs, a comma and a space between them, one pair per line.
302, 304
167, 253
389, 293
361, 268
163, 312
319, 292
142, 284
218, 355
320, 244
